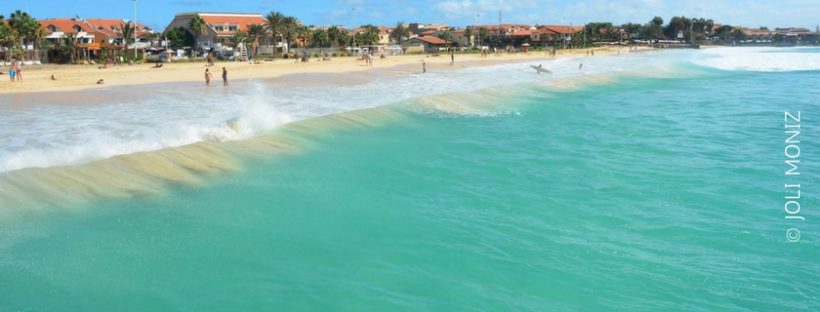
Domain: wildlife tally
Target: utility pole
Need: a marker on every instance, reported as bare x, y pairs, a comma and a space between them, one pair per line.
135, 28
477, 32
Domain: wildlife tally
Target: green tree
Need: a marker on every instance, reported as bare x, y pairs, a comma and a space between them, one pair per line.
255, 32
484, 35
321, 38
737, 34
70, 41
305, 35
598, 31
633, 31
678, 28
368, 36
275, 22
239, 37
198, 26
27, 29
400, 33
290, 27
128, 33
654, 29
468, 33
338, 37
8, 38
179, 37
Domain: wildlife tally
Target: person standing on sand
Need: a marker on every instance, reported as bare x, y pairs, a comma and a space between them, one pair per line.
224, 77
452, 58
12, 72
423, 67
207, 77
19, 72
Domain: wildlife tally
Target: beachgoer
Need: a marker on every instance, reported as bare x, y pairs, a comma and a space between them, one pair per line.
452, 58
52, 77
423, 66
18, 71
101, 81
12, 72
580, 66
224, 77
207, 77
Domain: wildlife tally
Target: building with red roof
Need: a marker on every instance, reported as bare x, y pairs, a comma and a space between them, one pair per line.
424, 44
57, 29
86, 31
221, 27
555, 33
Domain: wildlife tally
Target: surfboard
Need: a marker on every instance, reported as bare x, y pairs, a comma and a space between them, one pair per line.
540, 69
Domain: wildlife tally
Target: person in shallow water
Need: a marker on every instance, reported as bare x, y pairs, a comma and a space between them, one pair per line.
207, 77
224, 76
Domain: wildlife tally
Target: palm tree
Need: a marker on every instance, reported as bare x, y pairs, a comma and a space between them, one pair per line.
71, 39
290, 28
25, 26
336, 36
254, 33
305, 36
275, 23
127, 33
198, 26
320, 38
239, 37
8, 38
369, 35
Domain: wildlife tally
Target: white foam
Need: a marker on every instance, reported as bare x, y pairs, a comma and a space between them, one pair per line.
57, 135
764, 59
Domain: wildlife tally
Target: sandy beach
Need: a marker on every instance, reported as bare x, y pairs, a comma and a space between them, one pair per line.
37, 78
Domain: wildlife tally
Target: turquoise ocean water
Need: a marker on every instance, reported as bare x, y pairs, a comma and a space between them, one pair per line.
635, 192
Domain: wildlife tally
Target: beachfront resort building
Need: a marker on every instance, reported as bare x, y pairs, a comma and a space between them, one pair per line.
86, 31
554, 34
461, 39
59, 30
421, 29
424, 45
220, 29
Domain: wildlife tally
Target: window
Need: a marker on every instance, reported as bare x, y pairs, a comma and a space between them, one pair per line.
51, 28
232, 28
78, 28
219, 28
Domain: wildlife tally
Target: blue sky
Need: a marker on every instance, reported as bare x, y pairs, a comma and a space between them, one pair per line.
157, 13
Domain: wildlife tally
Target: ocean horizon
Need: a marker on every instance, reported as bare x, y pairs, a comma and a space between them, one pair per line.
638, 181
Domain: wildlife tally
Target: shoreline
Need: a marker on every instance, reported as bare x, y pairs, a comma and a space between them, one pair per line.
84, 77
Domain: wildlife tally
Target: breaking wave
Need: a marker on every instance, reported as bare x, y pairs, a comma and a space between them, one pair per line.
761, 59
134, 141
